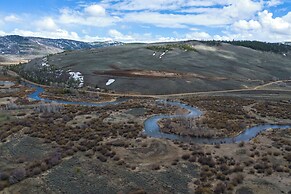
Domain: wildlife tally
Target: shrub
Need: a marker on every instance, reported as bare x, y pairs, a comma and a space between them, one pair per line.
102, 158
237, 168
261, 166
43, 166
3, 185
202, 190
251, 171
54, 160
241, 144
288, 157
207, 161
248, 162
70, 152
4, 176
217, 146
120, 162
257, 153
224, 169
82, 148
185, 156
219, 188
36, 171
116, 158
288, 148
192, 159
221, 177
265, 159
230, 186
89, 153
278, 168
155, 167
139, 191
17, 175
269, 171
241, 151
237, 179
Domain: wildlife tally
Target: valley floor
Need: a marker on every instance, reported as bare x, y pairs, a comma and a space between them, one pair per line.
57, 148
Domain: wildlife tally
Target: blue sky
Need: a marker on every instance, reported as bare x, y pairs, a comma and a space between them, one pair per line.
148, 20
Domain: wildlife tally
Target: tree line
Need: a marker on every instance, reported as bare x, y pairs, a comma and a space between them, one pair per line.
279, 48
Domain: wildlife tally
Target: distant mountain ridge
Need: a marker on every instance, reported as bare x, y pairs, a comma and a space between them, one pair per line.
19, 45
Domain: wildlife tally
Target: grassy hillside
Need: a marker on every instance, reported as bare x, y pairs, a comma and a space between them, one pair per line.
173, 67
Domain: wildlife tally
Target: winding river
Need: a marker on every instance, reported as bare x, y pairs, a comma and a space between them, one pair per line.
39, 90
152, 129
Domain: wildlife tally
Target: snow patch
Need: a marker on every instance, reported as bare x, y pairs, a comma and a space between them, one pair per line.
162, 54
78, 77
44, 62
45, 65
110, 81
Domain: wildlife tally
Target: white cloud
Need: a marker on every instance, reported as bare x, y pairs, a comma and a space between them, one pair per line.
277, 24
48, 34
136, 37
272, 3
231, 11
2, 33
156, 5
199, 36
116, 35
241, 9
95, 18
194, 29
96, 38
287, 17
12, 18
95, 10
136, 20
46, 23
247, 25
175, 20
266, 28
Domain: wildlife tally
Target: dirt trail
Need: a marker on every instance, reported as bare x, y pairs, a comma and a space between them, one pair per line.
270, 83
257, 88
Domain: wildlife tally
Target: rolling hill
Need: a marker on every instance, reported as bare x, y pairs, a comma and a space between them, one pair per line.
165, 68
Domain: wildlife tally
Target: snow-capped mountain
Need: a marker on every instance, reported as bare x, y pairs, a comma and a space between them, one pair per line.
18, 45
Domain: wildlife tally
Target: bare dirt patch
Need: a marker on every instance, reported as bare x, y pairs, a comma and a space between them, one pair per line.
149, 152
7, 100
154, 74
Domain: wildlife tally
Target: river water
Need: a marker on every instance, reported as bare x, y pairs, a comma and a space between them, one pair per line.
152, 129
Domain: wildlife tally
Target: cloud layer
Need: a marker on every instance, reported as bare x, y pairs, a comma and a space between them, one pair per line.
157, 20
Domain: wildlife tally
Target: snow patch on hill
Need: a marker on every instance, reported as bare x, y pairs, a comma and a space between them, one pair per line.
110, 81
44, 62
77, 76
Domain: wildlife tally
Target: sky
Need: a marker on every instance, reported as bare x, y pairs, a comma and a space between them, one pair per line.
148, 20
